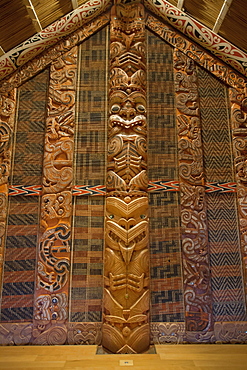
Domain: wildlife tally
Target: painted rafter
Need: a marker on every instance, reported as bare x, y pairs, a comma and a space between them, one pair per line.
220, 47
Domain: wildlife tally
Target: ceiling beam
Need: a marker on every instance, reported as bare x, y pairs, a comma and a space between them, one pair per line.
2, 52
180, 4
74, 4
32, 14
223, 11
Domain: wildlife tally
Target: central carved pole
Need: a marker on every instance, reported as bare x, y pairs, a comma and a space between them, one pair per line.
126, 275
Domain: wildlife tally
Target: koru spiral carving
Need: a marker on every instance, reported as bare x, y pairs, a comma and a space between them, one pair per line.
195, 251
126, 276
51, 298
238, 98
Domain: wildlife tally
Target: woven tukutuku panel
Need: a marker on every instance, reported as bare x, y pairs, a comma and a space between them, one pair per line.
29, 139
165, 259
91, 133
223, 235
87, 267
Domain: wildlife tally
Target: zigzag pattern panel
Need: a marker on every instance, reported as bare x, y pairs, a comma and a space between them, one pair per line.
87, 267
29, 139
162, 146
225, 259
91, 135
165, 258
20, 255
215, 128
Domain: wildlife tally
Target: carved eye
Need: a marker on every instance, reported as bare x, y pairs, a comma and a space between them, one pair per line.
115, 108
140, 108
143, 216
111, 216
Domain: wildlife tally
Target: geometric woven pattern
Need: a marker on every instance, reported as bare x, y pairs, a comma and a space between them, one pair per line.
28, 155
20, 255
225, 258
165, 258
162, 147
218, 164
90, 152
87, 267
153, 186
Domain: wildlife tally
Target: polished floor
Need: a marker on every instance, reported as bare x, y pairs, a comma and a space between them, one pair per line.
168, 357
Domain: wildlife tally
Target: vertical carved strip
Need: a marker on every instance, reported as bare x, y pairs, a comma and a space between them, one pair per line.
126, 275
193, 207
51, 300
7, 115
238, 99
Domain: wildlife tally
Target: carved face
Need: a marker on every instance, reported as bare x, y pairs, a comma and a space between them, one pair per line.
127, 110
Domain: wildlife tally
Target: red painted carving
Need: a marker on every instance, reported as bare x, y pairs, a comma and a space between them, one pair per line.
126, 275
195, 52
51, 298
193, 208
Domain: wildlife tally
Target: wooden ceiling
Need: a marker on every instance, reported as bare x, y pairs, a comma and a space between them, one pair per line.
21, 19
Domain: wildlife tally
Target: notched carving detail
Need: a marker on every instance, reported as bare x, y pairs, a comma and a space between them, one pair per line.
193, 206
126, 276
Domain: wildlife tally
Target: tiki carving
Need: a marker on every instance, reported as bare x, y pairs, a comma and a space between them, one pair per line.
126, 276
238, 98
51, 298
193, 209
7, 115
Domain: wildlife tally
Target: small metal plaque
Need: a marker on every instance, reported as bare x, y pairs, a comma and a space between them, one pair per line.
126, 362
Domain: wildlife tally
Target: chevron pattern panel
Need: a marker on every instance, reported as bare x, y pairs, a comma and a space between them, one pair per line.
215, 128
29, 138
90, 158
225, 259
87, 267
20, 255
162, 147
165, 258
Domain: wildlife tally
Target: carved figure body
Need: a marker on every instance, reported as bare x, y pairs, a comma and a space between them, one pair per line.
126, 280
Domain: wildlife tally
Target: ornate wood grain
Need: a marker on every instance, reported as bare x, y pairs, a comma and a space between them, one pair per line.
194, 236
126, 275
51, 296
238, 99
7, 116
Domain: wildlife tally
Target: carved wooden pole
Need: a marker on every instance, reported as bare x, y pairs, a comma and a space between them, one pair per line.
7, 114
196, 269
126, 275
52, 283
238, 98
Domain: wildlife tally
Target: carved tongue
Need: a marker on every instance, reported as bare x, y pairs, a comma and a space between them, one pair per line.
127, 251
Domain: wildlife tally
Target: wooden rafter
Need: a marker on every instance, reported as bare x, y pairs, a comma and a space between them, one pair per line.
180, 4
223, 11
33, 15
74, 4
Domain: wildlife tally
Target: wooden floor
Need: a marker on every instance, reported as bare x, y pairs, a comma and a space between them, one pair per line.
168, 357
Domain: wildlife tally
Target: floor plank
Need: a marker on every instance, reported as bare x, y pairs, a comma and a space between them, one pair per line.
168, 357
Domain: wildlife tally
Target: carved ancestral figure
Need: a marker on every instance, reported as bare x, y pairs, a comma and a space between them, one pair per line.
126, 280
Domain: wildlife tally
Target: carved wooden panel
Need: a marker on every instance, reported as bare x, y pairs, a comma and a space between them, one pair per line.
51, 298
238, 98
126, 275
193, 206
7, 115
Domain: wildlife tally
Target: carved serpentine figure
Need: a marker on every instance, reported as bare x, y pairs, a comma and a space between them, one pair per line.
126, 276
